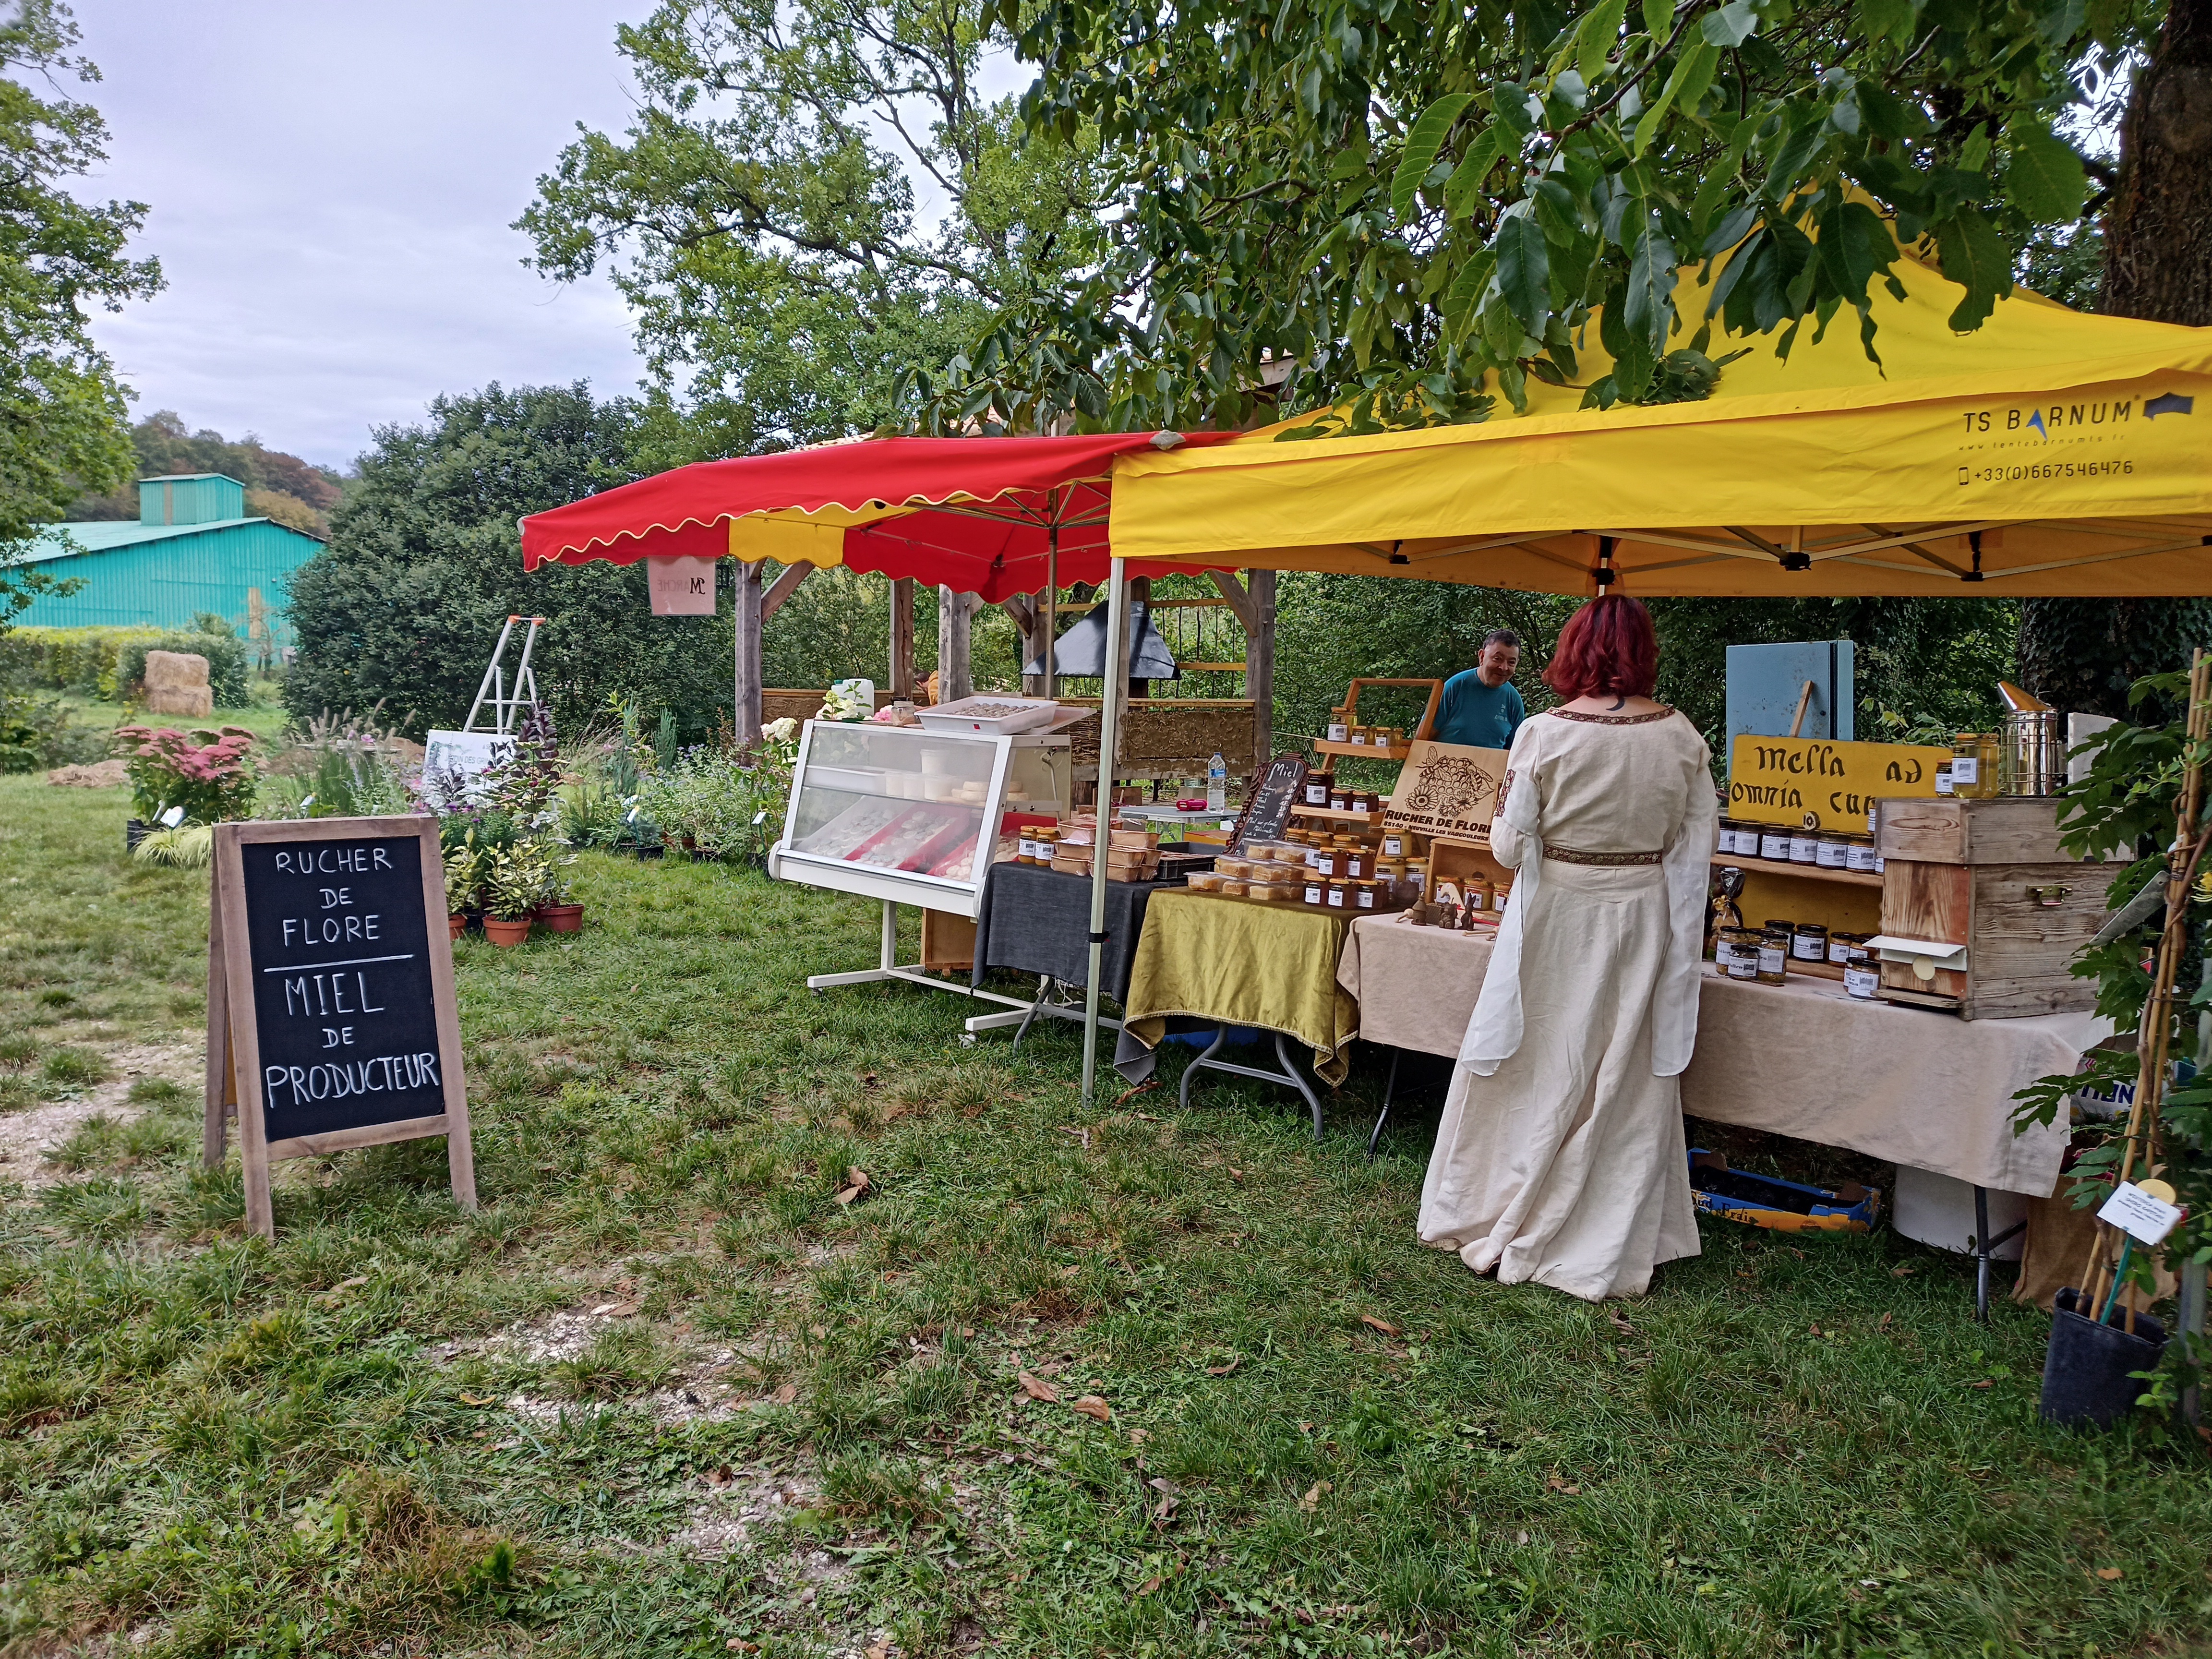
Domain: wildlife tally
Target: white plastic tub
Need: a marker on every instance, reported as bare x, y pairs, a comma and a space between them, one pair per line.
992, 715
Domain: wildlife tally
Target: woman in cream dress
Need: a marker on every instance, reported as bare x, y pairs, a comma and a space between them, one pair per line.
1560, 1156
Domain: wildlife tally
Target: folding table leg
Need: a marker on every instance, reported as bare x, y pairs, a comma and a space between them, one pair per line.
1389, 1089
1289, 1072
1985, 1251
1044, 990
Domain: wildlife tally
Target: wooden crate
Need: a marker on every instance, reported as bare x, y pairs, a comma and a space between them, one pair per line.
1991, 875
1461, 862
947, 941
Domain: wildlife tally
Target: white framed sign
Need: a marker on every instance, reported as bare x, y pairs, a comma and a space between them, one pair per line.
681, 586
468, 755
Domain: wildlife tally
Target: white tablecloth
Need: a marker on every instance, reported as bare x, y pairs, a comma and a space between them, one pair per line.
1911, 1085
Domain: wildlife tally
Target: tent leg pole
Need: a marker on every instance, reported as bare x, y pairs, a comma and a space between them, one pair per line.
1116, 687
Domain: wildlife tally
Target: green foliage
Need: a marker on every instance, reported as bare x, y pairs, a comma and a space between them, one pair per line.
515, 877
61, 411
80, 659
278, 486
37, 732
770, 246
725, 803
2126, 805
424, 565
2086, 655
211, 773
227, 661
1426, 204
1938, 660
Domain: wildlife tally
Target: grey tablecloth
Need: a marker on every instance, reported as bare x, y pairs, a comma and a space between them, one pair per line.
1036, 920
1909, 1084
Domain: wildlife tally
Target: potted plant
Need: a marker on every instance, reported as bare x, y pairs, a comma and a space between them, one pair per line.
513, 886
464, 881
206, 775
557, 907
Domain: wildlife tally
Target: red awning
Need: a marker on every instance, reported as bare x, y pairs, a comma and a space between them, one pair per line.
976, 514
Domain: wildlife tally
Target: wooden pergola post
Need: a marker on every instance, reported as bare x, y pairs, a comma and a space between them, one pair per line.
746, 717
1260, 664
955, 675
901, 682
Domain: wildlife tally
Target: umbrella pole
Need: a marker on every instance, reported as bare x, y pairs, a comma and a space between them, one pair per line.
1112, 689
1051, 599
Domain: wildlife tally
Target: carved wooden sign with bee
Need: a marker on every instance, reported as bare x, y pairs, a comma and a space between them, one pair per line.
1447, 789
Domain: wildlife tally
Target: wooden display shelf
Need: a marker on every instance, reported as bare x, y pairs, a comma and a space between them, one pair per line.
1815, 969
1370, 820
1364, 751
1799, 871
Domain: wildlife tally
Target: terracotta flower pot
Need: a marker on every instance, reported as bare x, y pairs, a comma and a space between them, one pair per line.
561, 918
506, 933
456, 925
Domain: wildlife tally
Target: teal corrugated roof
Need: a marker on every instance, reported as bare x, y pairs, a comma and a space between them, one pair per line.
62, 541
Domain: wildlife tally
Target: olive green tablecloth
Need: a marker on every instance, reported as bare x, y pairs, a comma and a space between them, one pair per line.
1236, 963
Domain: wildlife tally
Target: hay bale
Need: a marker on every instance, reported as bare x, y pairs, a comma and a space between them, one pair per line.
177, 683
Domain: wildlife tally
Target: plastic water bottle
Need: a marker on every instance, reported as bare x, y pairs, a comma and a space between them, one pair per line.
1217, 783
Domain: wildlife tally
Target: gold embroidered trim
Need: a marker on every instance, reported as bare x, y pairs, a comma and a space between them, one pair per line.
1604, 860
1612, 719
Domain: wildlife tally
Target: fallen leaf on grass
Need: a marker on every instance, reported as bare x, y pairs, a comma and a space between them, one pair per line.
856, 1183
1382, 1325
1169, 1492
1567, 1487
785, 1395
738, 1645
614, 1311
2108, 1574
1037, 1389
1146, 1116
353, 1284
721, 1477
1984, 1383
1137, 1437
1149, 1585
1236, 1175
1224, 1370
880, 1651
468, 1399
1092, 1406
867, 1079
1620, 1321
1882, 1324
1903, 1271
1311, 1501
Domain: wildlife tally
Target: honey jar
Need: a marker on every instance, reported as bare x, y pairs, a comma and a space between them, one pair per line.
1363, 896
1336, 894
1339, 798
1393, 844
1340, 730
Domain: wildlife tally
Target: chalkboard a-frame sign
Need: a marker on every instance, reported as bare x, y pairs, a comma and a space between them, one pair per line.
331, 1015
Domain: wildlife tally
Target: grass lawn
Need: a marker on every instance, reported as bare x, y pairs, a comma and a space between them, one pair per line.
666, 1394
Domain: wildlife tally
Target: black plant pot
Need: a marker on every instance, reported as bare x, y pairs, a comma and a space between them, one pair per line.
2086, 1380
134, 831
472, 922
645, 852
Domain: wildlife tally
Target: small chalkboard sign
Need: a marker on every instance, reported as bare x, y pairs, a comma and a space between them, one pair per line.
332, 1021
1268, 809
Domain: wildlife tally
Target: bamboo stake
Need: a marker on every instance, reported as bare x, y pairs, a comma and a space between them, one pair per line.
2154, 1029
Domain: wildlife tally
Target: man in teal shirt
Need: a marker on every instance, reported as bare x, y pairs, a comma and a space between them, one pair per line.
1481, 707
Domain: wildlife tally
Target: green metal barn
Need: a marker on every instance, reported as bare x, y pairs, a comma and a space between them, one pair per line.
193, 549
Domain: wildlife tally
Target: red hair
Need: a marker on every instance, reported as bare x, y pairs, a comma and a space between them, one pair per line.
1607, 649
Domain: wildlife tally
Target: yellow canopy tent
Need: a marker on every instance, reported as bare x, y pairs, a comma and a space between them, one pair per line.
2049, 452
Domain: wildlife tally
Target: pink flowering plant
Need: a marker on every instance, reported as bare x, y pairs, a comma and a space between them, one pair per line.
210, 772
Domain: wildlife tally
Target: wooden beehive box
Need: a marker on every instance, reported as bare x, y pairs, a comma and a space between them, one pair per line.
1989, 875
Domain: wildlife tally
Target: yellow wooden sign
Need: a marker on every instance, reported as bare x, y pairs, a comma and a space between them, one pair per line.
1822, 785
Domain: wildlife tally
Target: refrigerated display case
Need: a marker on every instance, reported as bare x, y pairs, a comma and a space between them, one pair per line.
911, 815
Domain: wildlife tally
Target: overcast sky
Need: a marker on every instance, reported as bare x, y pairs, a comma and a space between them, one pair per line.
331, 189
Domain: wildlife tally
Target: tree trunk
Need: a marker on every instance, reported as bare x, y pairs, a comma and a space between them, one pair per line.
2081, 654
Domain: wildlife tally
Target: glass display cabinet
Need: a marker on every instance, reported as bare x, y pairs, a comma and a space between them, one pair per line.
910, 816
